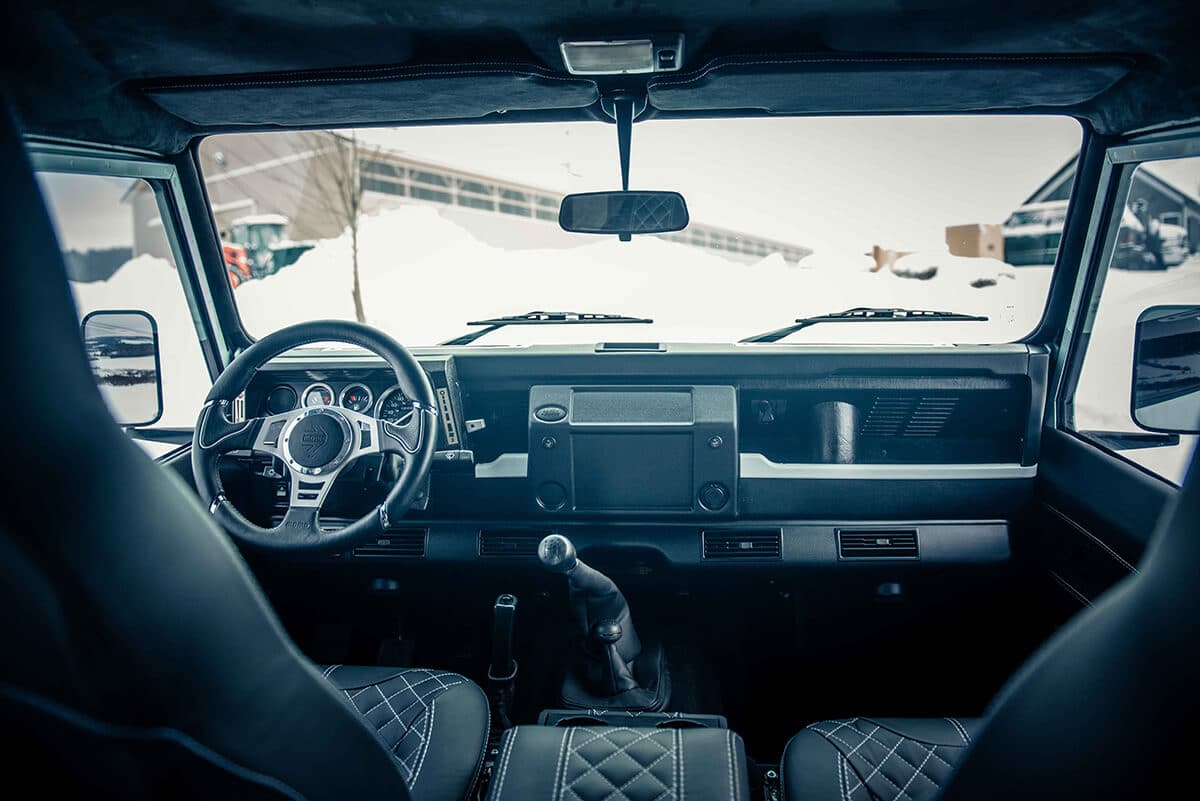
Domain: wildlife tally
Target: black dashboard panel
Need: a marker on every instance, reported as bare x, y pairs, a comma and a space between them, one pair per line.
823, 433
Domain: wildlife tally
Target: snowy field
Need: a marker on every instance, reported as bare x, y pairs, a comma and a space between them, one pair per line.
424, 276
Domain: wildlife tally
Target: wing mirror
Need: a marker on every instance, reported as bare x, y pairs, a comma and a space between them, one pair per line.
122, 348
623, 213
1166, 370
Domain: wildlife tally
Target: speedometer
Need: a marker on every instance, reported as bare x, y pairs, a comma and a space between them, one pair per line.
393, 405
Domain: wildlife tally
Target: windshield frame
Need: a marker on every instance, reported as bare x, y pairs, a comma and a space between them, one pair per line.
1067, 270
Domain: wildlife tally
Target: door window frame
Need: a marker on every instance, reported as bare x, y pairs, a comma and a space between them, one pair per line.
163, 179
1116, 175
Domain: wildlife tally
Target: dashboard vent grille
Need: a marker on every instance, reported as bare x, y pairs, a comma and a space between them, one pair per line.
878, 543
404, 542
757, 544
908, 417
510, 542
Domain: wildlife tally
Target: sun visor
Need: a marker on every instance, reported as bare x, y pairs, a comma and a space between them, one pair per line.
864, 84
369, 94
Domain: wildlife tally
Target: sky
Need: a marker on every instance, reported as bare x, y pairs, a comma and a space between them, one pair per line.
845, 181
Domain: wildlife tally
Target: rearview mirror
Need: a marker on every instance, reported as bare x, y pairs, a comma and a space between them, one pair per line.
623, 213
122, 347
1166, 370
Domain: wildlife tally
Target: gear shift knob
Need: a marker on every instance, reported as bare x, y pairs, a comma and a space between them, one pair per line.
557, 554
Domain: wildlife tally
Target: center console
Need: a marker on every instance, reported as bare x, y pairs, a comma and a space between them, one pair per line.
633, 450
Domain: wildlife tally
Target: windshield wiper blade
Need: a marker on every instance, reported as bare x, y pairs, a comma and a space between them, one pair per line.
864, 314
541, 318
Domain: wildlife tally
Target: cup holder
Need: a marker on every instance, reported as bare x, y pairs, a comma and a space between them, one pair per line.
582, 720
680, 723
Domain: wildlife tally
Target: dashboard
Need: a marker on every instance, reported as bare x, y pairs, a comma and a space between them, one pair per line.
676, 448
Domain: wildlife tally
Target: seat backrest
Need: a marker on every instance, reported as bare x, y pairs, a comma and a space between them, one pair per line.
1107, 708
120, 600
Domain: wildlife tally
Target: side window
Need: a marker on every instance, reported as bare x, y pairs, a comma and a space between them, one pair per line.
118, 258
1152, 274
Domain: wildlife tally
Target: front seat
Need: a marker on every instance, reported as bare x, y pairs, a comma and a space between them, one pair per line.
1106, 709
140, 658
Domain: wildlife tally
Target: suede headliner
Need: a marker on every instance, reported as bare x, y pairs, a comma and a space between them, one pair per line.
79, 70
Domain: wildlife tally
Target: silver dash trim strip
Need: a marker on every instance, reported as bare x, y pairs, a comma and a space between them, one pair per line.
755, 465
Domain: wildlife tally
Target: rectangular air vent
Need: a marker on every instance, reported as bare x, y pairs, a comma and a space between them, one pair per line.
908, 416
877, 543
756, 544
404, 542
510, 541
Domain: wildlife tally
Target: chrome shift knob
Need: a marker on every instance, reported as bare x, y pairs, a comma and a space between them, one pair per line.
557, 554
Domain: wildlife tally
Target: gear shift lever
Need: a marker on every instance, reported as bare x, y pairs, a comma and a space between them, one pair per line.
601, 614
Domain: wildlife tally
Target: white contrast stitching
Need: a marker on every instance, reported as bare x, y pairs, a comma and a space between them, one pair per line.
510, 746
732, 791
916, 773
962, 730
679, 737
424, 744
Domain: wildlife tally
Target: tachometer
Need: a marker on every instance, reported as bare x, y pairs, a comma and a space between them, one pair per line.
356, 398
393, 405
318, 395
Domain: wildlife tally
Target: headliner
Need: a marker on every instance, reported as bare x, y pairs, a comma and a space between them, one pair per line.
133, 72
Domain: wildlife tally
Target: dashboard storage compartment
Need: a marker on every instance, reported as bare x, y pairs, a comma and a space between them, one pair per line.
616, 450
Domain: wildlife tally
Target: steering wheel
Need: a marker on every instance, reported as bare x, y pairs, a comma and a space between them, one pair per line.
315, 443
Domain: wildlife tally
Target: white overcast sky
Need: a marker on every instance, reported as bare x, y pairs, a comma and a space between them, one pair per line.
843, 183
848, 181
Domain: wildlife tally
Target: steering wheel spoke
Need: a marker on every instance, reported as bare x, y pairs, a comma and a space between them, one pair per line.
407, 435
216, 433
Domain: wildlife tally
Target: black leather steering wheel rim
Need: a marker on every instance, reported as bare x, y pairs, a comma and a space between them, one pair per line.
216, 434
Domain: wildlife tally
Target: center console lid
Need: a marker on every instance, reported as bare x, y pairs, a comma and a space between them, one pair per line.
620, 763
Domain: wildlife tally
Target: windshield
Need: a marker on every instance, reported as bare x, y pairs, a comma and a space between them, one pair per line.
420, 230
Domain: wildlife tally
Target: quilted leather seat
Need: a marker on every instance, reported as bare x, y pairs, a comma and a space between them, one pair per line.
618, 763
864, 759
432, 722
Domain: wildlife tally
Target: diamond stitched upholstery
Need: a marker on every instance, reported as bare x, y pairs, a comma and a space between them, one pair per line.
866, 759
634, 764
619, 763
403, 710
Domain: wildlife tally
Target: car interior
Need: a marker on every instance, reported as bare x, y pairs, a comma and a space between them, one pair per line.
607, 566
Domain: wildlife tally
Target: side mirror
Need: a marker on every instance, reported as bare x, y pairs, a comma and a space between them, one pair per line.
1166, 370
623, 213
122, 347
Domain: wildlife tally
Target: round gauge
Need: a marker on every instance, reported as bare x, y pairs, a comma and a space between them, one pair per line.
393, 406
356, 398
281, 399
318, 395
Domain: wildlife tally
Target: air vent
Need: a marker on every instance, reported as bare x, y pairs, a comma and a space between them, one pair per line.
406, 542
908, 417
756, 544
510, 542
878, 543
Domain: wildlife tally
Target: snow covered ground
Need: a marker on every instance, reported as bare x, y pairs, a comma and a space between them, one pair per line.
424, 276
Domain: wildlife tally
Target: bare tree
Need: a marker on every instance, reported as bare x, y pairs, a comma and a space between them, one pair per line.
336, 177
